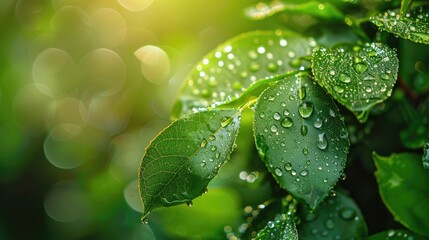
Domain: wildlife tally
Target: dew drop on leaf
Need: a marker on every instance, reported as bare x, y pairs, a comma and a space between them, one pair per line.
306, 109
322, 142
278, 172
288, 166
347, 213
287, 122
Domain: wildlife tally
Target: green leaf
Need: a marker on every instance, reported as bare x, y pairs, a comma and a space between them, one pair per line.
180, 162
404, 6
404, 188
413, 26
358, 77
283, 226
337, 217
225, 73
301, 137
313, 8
415, 135
395, 235
425, 157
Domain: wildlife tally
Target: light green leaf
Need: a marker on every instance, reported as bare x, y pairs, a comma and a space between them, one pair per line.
358, 77
404, 6
425, 157
413, 26
404, 188
180, 162
395, 235
225, 73
314, 8
301, 137
337, 217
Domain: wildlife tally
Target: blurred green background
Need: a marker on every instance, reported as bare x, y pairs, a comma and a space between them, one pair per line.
84, 87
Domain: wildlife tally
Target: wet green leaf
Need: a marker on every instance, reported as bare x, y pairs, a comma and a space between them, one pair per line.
395, 235
413, 26
425, 157
301, 137
313, 8
404, 6
337, 217
404, 188
358, 77
183, 158
226, 72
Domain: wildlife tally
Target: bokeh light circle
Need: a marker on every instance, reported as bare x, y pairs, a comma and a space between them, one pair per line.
155, 63
135, 5
110, 27
132, 196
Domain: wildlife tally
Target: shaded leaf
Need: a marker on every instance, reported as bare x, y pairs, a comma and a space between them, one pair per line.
358, 77
183, 158
395, 235
226, 72
337, 217
413, 26
404, 188
301, 137
314, 8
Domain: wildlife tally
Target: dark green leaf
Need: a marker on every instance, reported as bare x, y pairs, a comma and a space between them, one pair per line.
425, 157
314, 8
395, 235
413, 26
358, 77
337, 217
180, 162
415, 135
404, 6
226, 72
301, 137
404, 188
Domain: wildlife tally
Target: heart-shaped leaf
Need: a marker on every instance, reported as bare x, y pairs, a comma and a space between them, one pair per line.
301, 137
413, 26
180, 162
404, 188
337, 217
313, 8
358, 77
399, 234
235, 65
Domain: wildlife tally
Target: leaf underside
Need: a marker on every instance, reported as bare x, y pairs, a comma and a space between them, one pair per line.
301, 137
180, 162
413, 26
358, 77
226, 72
404, 188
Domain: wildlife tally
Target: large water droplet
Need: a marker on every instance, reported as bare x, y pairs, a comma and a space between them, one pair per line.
344, 78
318, 123
273, 128
306, 109
322, 142
278, 172
287, 122
277, 116
288, 166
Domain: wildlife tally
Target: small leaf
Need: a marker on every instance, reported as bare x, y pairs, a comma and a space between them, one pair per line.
395, 235
337, 217
425, 157
180, 162
357, 77
404, 188
404, 6
226, 72
301, 137
313, 8
413, 26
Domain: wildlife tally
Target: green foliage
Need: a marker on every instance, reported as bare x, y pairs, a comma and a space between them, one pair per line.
404, 188
301, 137
395, 234
292, 84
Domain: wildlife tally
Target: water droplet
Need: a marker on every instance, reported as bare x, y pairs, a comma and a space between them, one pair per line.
360, 67
329, 224
344, 78
253, 55
332, 72
283, 42
286, 113
368, 90
318, 123
344, 133
273, 128
302, 92
322, 142
145, 220
304, 130
304, 173
203, 164
270, 224
277, 116
287, 122
305, 151
332, 113
189, 204
225, 121
254, 66
384, 76
203, 143
213, 148
338, 89
262, 115
347, 213
261, 50
325, 180
272, 67
288, 166
306, 109
211, 159
278, 172
217, 155
293, 172
212, 137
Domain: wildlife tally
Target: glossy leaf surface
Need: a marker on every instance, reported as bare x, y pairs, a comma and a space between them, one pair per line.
180, 162
301, 137
395, 235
